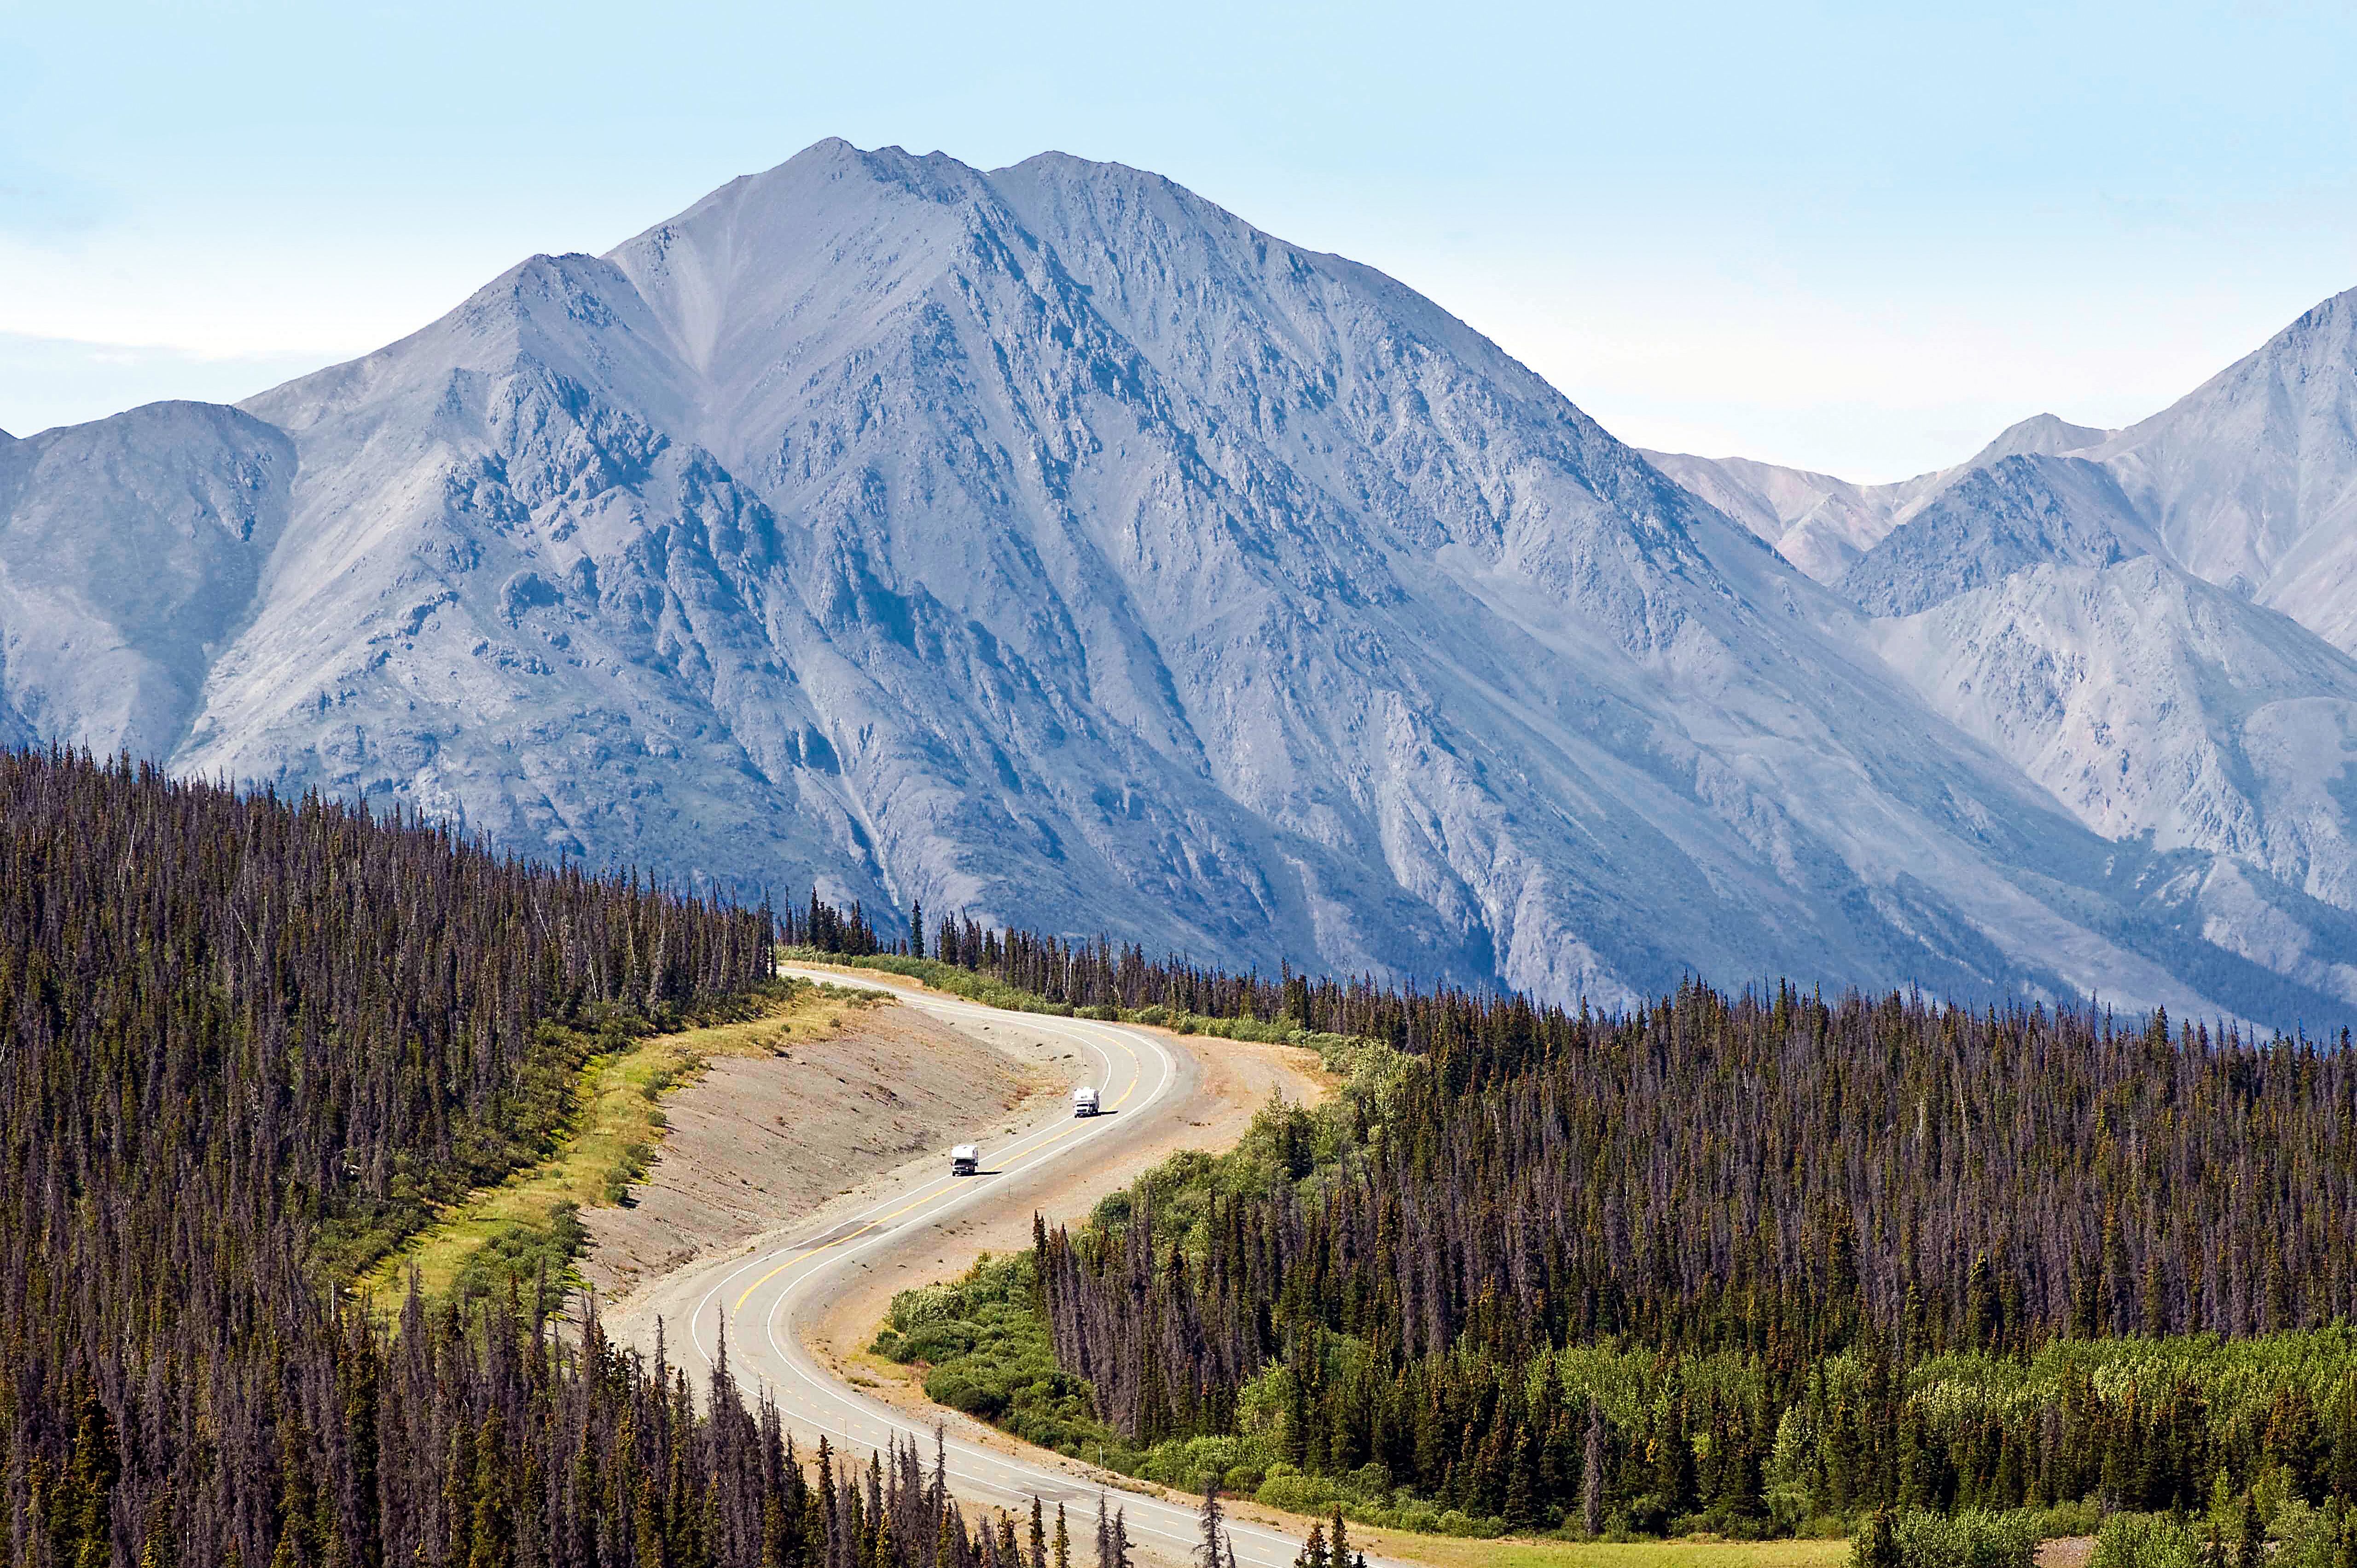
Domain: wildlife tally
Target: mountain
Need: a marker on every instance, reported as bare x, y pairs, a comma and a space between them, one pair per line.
2017, 512
1821, 524
2154, 624
2164, 710
1051, 543
129, 549
2251, 479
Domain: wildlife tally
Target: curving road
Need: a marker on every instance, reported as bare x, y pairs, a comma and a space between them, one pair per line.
762, 1301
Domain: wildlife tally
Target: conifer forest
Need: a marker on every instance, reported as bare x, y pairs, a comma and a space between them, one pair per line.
1755, 1264
245, 1043
1747, 1263
1741, 1264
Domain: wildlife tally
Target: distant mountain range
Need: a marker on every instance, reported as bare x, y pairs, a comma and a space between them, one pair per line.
1052, 544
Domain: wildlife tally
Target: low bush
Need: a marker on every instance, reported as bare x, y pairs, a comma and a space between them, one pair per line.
1969, 1538
2147, 1541
526, 1257
986, 1352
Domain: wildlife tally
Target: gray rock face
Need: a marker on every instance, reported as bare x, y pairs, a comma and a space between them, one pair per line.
2251, 479
1821, 524
1051, 543
2167, 712
129, 551
2154, 625
2018, 512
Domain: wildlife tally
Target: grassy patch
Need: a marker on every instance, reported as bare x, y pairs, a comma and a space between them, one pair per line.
1444, 1552
527, 1230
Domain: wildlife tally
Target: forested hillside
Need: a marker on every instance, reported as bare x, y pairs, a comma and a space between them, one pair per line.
1760, 1259
1743, 1261
245, 1044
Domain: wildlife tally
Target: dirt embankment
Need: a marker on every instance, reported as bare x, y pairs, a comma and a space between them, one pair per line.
760, 1140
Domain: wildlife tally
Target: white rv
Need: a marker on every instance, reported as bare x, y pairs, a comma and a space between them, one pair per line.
1084, 1101
964, 1160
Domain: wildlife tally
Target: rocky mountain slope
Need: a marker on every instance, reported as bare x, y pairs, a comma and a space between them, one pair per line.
2165, 711
2251, 479
1823, 524
1051, 543
1991, 521
2154, 624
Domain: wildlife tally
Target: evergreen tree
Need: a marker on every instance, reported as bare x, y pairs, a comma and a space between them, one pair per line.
1211, 1547
1313, 1550
1875, 1545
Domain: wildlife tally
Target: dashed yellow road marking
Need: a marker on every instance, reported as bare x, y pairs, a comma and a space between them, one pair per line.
1137, 1076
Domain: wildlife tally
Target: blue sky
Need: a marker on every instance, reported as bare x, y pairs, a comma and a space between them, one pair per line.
1859, 239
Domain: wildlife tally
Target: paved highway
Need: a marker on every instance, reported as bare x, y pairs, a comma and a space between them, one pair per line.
762, 1301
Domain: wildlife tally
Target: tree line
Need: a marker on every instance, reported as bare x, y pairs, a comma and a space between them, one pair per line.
246, 1044
1754, 1258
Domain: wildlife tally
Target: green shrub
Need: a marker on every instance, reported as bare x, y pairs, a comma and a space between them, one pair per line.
988, 1354
926, 1304
631, 1169
1290, 1490
2147, 1541
2314, 1538
939, 1342
1969, 1538
525, 1257
2065, 1520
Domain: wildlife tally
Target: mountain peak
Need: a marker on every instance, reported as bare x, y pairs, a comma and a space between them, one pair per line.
2039, 435
1055, 545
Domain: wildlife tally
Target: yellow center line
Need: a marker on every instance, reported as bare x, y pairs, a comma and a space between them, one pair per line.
829, 1246
1137, 1076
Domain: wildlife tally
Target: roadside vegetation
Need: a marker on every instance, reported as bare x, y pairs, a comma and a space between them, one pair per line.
525, 1232
981, 988
1442, 1551
1547, 1274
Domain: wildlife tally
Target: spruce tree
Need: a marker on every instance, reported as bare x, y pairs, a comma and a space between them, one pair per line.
1211, 1547
1875, 1545
1313, 1550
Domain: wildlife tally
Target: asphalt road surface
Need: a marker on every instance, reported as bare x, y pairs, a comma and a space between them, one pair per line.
760, 1302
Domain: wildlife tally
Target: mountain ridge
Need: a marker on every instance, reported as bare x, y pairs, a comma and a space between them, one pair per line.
1051, 543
